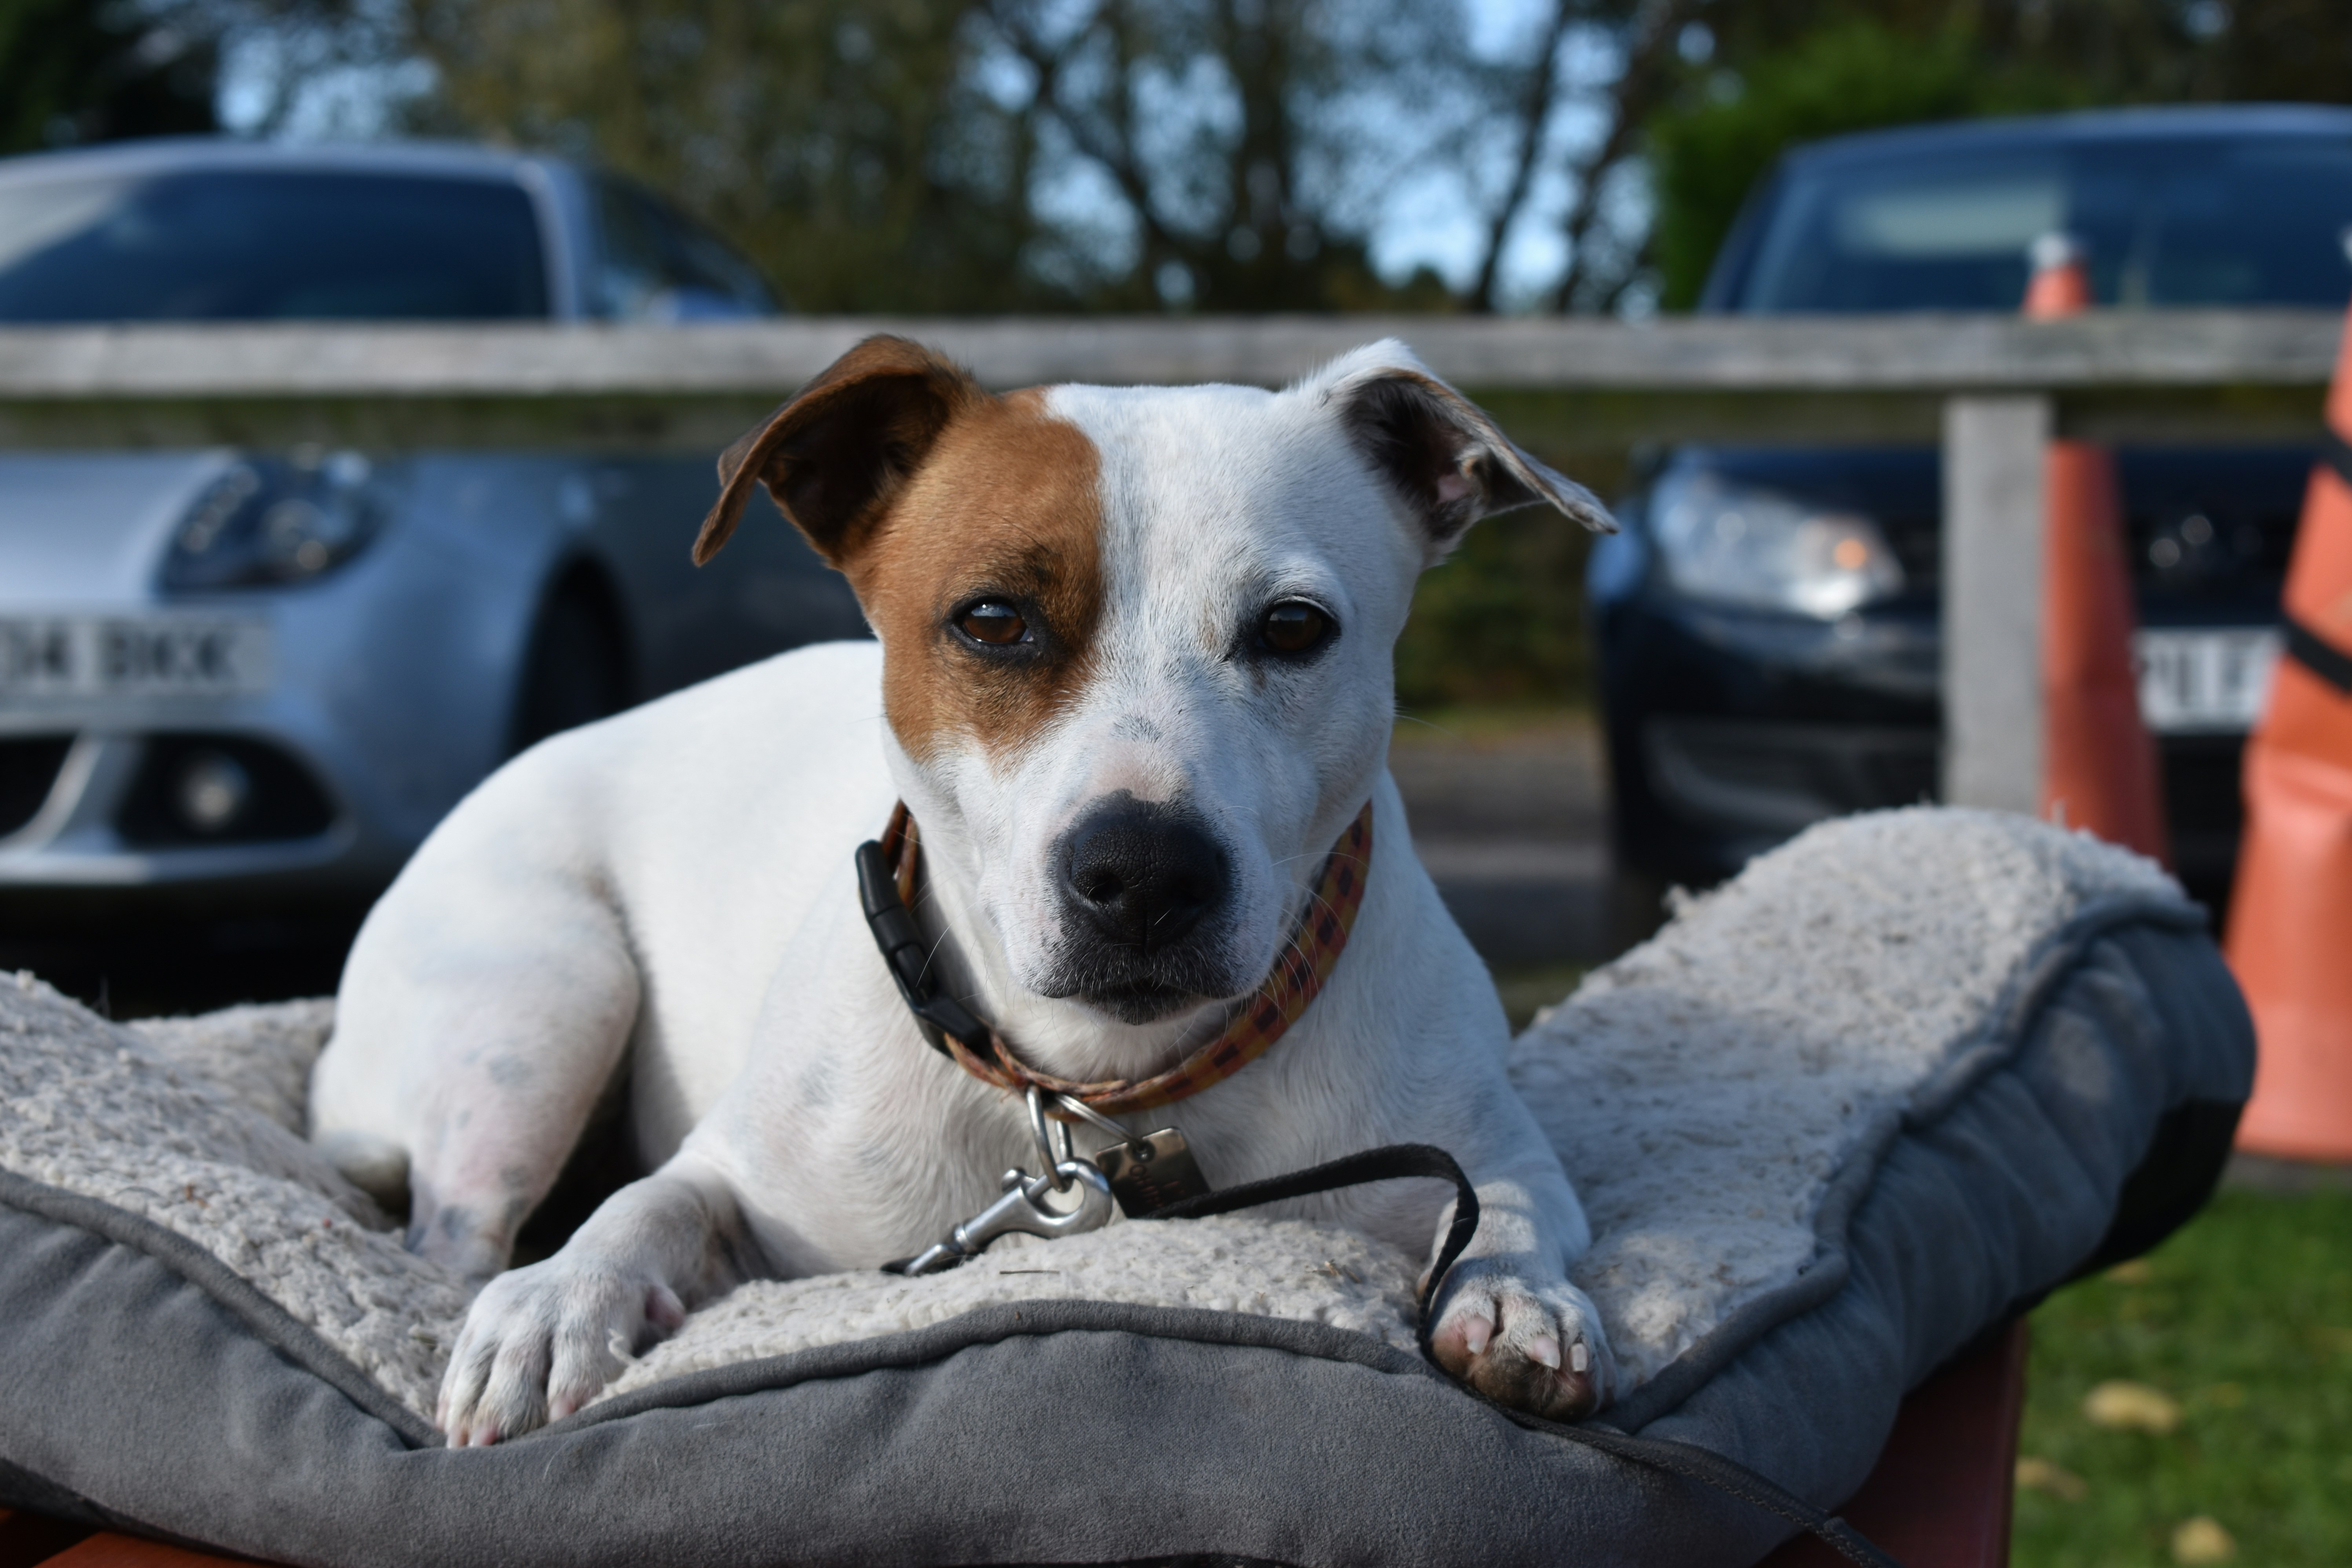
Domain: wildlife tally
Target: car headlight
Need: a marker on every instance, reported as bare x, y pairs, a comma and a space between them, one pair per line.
267, 521
1736, 545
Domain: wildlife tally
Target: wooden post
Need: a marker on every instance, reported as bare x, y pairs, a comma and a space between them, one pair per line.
1993, 460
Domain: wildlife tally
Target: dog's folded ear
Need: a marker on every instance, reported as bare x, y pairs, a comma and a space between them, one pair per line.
834, 456
1443, 453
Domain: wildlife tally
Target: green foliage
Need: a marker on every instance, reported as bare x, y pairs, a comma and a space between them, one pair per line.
816, 133
915, 155
1851, 75
71, 71
1786, 71
2245, 1320
1503, 620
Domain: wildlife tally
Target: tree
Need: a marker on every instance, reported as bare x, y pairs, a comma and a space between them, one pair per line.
1851, 75
842, 143
71, 71
1640, 41
968, 154
1227, 131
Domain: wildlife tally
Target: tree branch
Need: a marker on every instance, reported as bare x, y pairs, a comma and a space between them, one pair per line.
1638, 87
1115, 151
1535, 113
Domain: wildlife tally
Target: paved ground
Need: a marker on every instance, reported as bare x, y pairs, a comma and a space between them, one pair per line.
1511, 817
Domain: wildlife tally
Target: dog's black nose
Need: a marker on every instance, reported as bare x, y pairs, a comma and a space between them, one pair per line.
1143, 871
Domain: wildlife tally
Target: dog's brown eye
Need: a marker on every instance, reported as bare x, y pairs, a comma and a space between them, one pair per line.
1295, 626
998, 625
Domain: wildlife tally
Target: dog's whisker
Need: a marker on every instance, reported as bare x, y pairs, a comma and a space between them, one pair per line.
1447, 731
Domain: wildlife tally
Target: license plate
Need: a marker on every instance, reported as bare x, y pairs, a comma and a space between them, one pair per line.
2212, 682
46, 657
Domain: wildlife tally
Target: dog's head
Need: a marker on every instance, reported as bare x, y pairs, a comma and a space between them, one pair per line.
1135, 641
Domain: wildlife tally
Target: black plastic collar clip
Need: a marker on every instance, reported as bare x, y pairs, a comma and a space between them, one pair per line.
909, 959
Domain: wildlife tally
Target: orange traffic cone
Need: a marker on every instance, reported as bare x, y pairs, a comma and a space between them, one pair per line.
2099, 761
2290, 938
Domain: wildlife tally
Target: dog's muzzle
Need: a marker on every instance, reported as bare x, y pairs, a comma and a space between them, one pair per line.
1143, 886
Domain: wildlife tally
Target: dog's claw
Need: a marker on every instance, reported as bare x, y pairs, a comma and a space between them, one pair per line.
539, 1343
1508, 1340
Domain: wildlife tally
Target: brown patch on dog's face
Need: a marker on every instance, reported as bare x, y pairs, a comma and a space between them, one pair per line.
1004, 515
969, 525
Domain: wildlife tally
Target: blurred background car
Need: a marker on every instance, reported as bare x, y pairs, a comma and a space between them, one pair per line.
1767, 623
238, 687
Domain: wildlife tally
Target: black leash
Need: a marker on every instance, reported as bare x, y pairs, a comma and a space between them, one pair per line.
1386, 1165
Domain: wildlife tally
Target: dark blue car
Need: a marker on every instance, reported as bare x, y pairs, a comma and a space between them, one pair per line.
1767, 621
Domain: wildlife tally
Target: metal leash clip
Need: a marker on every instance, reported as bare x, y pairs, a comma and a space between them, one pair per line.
1022, 1206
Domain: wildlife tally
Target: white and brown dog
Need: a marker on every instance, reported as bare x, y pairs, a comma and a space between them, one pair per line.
1133, 682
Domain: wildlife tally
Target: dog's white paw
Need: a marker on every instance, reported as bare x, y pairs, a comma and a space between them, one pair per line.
1535, 1345
539, 1343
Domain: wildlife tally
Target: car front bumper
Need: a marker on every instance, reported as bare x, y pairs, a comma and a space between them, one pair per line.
1729, 733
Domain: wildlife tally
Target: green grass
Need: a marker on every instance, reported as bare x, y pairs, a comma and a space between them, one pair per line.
1526, 990
2245, 1319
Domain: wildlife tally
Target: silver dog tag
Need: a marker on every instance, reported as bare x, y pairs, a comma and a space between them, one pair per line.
1151, 1172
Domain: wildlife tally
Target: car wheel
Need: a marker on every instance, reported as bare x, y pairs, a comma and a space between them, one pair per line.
577, 668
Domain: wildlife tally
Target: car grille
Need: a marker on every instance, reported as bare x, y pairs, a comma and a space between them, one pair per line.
28, 768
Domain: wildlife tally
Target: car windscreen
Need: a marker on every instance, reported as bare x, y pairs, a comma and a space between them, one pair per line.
2214, 222
245, 246
654, 264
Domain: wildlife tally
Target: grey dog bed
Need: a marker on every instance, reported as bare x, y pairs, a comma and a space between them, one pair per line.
1881, 1092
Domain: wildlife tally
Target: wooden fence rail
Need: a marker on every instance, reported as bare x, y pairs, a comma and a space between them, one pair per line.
1990, 389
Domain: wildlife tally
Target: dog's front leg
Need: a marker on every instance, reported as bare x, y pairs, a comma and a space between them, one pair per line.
540, 1342
1509, 1324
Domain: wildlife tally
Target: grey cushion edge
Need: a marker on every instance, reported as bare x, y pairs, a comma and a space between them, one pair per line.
1021, 1450
991, 1325
273, 1323
2004, 1033
1976, 1215
987, 1325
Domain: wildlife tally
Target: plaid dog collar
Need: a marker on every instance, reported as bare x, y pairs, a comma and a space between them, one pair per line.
886, 872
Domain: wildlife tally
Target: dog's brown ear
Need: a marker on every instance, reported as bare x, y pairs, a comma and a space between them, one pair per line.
1441, 452
834, 457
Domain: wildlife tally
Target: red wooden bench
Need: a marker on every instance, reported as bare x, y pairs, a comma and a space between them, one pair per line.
1939, 1497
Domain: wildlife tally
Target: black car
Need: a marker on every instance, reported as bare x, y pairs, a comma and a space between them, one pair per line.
1768, 620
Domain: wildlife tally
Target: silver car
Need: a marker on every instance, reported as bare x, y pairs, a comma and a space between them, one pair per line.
232, 679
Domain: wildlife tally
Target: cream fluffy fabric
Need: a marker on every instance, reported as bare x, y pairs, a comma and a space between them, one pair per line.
185, 1122
1706, 1091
